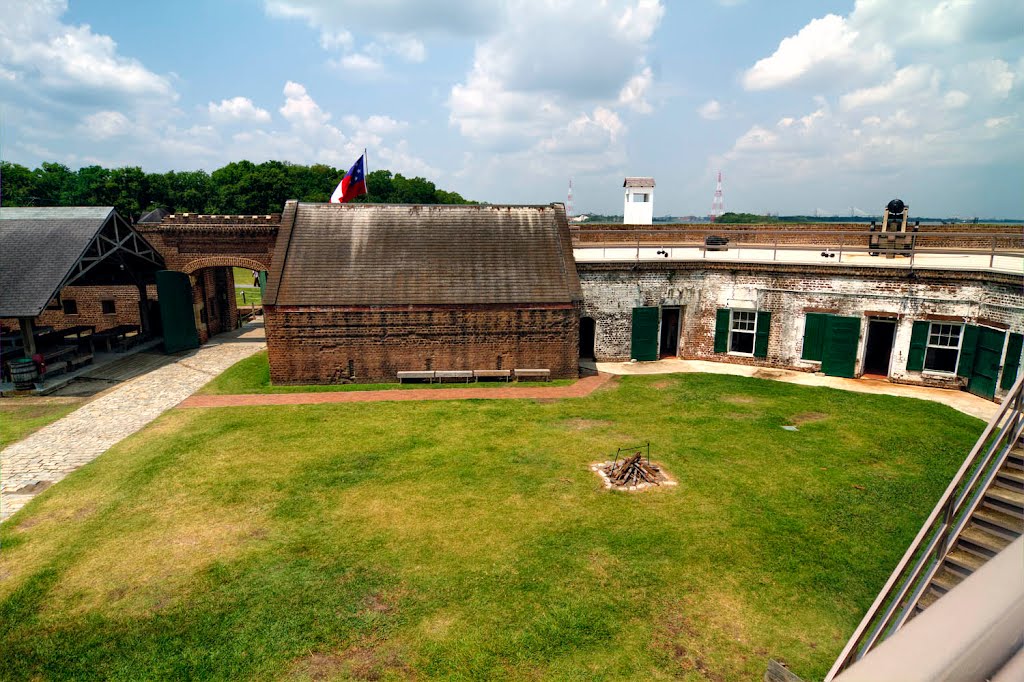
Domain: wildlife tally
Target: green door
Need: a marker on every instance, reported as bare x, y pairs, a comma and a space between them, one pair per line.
174, 291
988, 353
645, 334
839, 350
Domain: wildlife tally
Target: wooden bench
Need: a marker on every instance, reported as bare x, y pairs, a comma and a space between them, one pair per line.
80, 360
443, 374
505, 374
429, 376
539, 373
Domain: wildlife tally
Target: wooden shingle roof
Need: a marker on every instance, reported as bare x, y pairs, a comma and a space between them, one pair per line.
638, 182
389, 254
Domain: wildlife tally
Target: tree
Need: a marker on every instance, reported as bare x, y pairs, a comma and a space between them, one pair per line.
17, 185
53, 185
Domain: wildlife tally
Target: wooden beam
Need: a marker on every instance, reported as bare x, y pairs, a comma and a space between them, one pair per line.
28, 340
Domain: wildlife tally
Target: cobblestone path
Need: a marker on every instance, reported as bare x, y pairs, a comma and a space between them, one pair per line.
48, 455
579, 389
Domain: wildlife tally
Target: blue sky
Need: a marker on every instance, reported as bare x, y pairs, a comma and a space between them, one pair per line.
803, 106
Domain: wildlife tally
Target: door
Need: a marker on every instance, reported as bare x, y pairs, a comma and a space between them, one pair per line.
670, 332
989, 351
644, 342
878, 348
839, 353
588, 333
177, 316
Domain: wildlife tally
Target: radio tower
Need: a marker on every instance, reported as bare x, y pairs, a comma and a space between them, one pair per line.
717, 204
568, 204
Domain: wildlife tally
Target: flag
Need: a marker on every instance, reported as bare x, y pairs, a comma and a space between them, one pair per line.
353, 184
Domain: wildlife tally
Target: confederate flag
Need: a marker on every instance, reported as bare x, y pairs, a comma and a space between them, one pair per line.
353, 184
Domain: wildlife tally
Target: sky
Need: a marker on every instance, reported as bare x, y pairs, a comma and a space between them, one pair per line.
804, 106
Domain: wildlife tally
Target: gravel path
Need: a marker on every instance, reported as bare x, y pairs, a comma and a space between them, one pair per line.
31, 465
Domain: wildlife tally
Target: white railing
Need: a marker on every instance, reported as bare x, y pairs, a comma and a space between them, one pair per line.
901, 592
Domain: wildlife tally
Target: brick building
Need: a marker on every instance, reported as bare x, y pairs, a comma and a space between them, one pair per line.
358, 292
950, 327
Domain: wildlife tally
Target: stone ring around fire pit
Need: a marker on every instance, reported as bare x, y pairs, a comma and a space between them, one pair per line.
631, 474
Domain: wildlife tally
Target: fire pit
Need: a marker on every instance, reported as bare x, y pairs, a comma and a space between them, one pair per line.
632, 472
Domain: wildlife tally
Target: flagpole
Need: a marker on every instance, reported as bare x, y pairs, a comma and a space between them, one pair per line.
366, 169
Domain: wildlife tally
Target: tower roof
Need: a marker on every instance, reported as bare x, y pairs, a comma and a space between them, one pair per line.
638, 182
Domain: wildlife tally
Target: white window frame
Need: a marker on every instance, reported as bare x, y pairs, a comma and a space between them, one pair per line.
640, 198
928, 344
752, 331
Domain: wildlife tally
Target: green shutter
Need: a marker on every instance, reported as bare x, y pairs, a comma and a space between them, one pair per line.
722, 320
645, 334
1012, 362
263, 283
814, 336
174, 292
764, 323
968, 349
918, 343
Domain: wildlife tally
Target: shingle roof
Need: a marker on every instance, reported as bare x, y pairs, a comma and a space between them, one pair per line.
41, 250
387, 254
638, 182
38, 247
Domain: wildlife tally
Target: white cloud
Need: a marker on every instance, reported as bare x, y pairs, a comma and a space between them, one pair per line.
358, 63
710, 110
826, 44
300, 110
634, 92
909, 81
105, 124
237, 109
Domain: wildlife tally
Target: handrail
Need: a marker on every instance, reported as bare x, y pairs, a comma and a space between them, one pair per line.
934, 538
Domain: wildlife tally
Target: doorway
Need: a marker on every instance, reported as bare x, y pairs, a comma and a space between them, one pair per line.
670, 332
588, 334
985, 370
878, 350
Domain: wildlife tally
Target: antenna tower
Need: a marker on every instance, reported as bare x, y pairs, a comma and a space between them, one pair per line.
717, 204
568, 204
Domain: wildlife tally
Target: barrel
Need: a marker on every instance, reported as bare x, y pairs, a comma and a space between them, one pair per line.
23, 373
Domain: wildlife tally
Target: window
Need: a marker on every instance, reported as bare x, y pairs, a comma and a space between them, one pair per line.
108, 306
70, 306
943, 350
741, 331
641, 198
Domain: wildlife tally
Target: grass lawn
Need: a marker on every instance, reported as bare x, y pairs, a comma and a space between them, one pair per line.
470, 540
252, 375
19, 418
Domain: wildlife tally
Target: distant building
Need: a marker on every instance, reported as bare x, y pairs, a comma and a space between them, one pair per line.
638, 206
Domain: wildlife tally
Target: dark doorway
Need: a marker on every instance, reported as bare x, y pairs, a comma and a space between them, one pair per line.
670, 332
879, 346
588, 333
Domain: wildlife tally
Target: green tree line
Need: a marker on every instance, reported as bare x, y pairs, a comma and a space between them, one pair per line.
241, 187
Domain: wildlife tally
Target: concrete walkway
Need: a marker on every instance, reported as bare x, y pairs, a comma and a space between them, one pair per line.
31, 465
579, 389
962, 401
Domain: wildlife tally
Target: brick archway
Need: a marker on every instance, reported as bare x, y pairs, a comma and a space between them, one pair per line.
223, 261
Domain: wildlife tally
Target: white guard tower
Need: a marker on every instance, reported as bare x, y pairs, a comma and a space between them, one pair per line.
638, 208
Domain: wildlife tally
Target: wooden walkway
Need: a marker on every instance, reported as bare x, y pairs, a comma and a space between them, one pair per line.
580, 389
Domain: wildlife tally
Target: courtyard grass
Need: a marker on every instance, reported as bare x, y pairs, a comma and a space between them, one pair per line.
470, 540
252, 375
19, 418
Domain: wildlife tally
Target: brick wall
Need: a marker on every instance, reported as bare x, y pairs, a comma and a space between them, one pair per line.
88, 301
327, 345
611, 292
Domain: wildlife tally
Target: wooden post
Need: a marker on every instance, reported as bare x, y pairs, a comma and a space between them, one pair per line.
28, 340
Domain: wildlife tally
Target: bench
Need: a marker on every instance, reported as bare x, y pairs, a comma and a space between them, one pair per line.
429, 376
539, 373
80, 360
443, 374
505, 374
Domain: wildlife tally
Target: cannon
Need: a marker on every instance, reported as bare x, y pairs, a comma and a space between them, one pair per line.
892, 238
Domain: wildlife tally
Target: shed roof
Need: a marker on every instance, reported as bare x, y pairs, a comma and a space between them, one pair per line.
638, 182
44, 249
391, 254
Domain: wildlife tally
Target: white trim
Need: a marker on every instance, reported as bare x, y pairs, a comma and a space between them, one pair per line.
753, 333
928, 344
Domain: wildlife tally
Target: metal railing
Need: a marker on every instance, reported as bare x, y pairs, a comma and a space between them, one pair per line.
897, 599
903, 244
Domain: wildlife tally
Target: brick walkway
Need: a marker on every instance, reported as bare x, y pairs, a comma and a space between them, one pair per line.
31, 465
580, 389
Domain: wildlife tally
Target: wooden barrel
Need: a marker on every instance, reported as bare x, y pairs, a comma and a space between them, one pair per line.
23, 373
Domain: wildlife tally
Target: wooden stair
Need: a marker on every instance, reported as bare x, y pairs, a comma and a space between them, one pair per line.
995, 523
